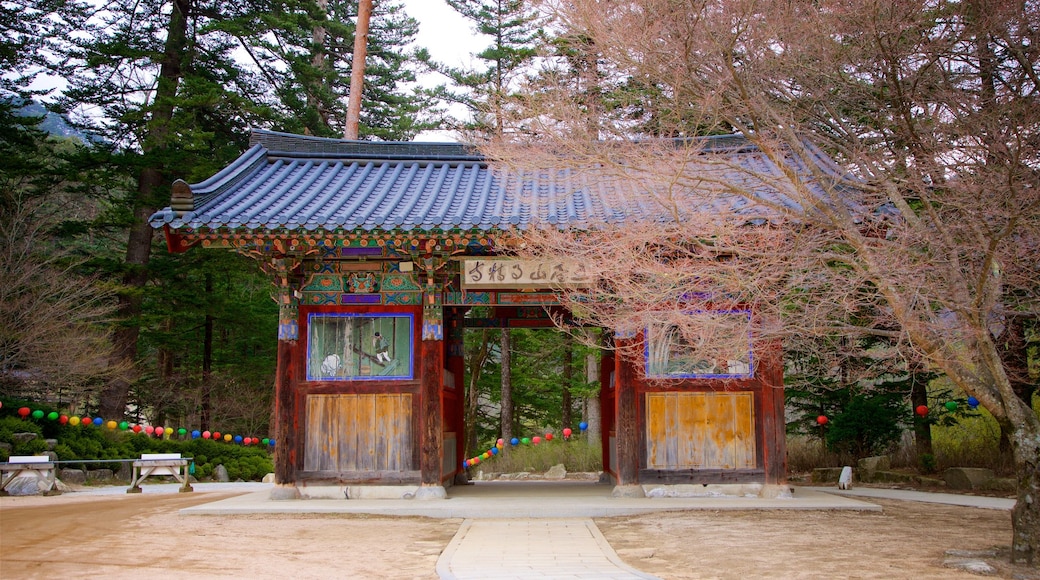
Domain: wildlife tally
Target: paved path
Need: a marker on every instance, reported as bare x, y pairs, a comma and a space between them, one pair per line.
572, 549
977, 501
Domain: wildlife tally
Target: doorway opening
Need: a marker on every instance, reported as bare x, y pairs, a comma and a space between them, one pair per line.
532, 409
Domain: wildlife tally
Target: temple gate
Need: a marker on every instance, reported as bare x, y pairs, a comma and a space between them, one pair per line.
377, 250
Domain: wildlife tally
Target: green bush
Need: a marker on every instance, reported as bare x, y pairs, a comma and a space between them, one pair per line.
868, 425
93, 443
32, 447
11, 425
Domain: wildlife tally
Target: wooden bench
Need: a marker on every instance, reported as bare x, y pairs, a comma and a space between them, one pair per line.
38, 465
160, 464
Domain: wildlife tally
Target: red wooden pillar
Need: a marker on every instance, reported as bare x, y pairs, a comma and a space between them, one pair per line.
456, 363
431, 379
608, 409
285, 407
285, 426
774, 429
627, 426
431, 424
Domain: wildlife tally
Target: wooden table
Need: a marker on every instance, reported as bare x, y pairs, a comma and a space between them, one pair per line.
160, 464
38, 465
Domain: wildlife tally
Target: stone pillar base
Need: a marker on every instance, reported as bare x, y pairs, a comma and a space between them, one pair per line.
284, 492
628, 491
431, 492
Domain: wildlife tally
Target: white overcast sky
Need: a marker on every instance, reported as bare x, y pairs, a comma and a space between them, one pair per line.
449, 37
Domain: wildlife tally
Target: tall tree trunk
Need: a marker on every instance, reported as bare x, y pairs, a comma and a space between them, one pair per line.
207, 361
506, 418
568, 377
476, 361
357, 70
1015, 355
1018, 421
320, 62
591, 408
139, 243
922, 426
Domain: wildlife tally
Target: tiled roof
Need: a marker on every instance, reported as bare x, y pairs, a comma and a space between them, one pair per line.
292, 182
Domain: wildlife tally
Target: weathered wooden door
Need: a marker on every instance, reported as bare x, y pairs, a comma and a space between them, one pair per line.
700, 430
359, 432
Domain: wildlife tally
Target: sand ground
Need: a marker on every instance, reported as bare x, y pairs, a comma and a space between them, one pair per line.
136, 536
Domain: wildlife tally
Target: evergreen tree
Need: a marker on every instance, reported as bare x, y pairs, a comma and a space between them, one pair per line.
304, 49
515, 29
51, 313
160, 85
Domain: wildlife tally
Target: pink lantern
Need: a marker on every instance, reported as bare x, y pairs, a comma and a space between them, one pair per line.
567, 432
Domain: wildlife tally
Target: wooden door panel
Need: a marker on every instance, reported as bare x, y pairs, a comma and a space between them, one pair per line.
358, 432
700, 430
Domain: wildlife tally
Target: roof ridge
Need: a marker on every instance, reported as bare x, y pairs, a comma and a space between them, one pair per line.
291, 145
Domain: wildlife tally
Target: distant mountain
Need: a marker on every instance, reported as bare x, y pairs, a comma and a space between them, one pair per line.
52, 123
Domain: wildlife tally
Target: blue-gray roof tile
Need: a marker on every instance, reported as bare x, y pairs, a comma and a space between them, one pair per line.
292, 182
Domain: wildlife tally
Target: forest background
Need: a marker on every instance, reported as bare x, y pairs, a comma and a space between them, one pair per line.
97, 318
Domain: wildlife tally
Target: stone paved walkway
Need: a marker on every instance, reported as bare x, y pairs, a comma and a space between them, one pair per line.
571, 549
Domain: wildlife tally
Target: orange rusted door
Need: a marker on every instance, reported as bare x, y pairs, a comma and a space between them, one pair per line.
700, 431
359, 432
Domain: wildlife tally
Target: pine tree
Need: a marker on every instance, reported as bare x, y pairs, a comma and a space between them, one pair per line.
515, 29
304, 49
160, 85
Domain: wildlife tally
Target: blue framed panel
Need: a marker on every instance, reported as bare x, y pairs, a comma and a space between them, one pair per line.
668, 354
348, 346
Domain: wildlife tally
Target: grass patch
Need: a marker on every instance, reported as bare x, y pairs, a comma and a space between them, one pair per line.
576, 455
971, 442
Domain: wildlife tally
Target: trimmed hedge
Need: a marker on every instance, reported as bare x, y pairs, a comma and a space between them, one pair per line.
249, 463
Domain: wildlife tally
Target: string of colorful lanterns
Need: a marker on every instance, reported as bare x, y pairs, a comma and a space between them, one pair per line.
501, 443
920, 410
87, 421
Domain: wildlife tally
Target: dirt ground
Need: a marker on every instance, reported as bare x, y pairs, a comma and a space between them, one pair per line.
136, 536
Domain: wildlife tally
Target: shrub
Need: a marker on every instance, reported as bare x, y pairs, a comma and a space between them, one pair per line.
868, 425
11, 425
